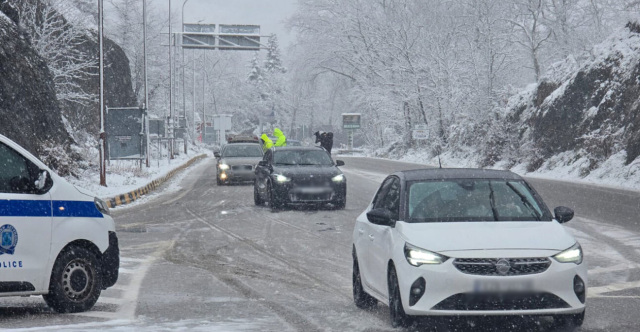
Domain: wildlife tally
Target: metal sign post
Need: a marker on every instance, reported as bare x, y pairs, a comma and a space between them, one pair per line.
157, 133
222, 124
103, 135
126, 128
351, 122
157, 127
420, 132
350, 146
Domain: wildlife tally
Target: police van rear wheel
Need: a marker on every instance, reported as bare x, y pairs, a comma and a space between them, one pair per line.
75, 281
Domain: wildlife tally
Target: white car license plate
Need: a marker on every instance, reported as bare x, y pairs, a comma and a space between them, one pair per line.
502, 286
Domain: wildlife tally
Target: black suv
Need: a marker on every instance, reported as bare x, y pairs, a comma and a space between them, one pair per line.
299, 175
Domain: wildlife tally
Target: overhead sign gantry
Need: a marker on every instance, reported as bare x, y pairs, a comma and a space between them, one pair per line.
233, 37
228, 37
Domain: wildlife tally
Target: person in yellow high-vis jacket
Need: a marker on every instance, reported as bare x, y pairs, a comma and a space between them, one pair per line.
267, 143
281, 139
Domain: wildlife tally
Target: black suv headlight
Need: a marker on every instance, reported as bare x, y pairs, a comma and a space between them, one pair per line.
281, 178
338, 178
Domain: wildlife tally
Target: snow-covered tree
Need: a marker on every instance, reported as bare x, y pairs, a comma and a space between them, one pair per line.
273, 61
255, 73
449, 64
528, 20
124, 26
267, 83
61, 44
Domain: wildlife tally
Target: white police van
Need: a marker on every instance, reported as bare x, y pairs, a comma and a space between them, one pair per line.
55, 240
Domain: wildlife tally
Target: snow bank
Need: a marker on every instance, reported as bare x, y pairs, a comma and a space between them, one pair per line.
125, 176
563, 167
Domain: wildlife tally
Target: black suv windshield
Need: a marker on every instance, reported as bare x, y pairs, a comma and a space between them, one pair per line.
231, 151
302, 158
474, 200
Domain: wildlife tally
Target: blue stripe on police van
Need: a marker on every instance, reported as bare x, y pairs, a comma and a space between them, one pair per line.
75, 209
35, 208
24, 208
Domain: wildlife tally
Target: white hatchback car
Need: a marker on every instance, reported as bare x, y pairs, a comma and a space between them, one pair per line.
444, 242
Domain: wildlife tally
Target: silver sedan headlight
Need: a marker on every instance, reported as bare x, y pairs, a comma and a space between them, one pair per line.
418, 256
571, 255
338, 178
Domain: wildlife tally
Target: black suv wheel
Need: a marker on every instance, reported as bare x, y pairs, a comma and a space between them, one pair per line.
275, 202
257, 200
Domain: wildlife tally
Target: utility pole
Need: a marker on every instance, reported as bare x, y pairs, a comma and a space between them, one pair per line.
204, 72
146, 93
170, 122
184, 101
103, 135
193, 90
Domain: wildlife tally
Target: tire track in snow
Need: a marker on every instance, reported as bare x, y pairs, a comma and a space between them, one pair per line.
291, 317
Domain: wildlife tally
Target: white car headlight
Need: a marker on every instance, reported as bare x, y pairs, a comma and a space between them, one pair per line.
223, 167
338, 178
416, 256
571, 255
281, 178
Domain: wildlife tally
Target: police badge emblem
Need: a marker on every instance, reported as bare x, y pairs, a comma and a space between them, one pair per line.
8, 239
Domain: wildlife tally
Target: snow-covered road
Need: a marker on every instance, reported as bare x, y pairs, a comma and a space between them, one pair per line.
204, 258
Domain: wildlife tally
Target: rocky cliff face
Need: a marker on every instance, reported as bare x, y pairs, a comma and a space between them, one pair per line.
117, 86
583, 114
31, 115
29, 110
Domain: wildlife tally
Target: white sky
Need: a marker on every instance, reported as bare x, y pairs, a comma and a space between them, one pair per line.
269, 14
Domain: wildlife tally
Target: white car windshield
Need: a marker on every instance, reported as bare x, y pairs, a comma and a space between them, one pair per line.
474, 200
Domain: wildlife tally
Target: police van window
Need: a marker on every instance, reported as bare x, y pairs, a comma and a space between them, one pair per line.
14, 172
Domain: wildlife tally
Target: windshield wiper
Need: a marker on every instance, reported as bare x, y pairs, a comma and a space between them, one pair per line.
525, 201
285, 164
492, 200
